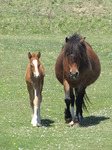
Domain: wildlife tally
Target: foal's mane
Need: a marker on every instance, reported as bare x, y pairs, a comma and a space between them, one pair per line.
33, 55
77, 48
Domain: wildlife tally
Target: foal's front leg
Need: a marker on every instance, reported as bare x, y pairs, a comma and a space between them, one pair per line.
36, 120
31, 95
67, 101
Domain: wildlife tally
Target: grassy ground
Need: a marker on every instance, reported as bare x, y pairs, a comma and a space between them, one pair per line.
55, 16
19, 35
16, 131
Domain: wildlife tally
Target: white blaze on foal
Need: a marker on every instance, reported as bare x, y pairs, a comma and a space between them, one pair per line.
35, 63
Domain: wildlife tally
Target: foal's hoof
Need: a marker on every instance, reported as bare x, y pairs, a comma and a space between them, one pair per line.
39, 124
68, 117
35, 124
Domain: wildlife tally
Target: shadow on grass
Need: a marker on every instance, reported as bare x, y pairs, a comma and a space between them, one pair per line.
47, 122
92, 120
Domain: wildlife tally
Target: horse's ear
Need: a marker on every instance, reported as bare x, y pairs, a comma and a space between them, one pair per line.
82, 40
29, 55
39, 54
66, 39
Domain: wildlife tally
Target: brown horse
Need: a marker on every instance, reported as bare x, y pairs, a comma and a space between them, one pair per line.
34, 80
76, 68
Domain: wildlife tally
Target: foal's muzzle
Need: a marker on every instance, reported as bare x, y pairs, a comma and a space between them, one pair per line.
75, 75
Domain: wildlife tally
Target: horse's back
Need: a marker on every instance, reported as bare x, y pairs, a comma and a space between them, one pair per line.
95, 70
59, 67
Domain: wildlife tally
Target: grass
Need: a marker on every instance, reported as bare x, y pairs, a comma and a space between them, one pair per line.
20, 33
55, 16
16, 131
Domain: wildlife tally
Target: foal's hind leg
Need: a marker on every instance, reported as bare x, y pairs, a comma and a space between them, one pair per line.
67, 101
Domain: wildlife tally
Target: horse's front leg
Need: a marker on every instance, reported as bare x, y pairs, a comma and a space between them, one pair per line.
79, 102
72, 103
67, 101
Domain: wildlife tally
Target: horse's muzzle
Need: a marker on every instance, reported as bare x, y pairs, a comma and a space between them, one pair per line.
74, 76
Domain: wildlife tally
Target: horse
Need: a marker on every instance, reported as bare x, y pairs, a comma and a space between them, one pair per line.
76, 68
35, 79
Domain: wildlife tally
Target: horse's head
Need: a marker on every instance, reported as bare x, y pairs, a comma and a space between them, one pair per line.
34, 64
73, 66
74, 51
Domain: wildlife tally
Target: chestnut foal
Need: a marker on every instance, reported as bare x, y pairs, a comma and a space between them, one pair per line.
34, 79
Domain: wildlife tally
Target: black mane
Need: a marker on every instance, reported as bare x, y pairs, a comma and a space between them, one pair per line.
77, 48
73, 45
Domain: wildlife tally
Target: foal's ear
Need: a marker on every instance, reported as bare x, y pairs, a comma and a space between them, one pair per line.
82, 40
39, 54
66, 39
29, 55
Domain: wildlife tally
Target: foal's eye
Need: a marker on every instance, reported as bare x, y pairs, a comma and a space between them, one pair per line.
31, 65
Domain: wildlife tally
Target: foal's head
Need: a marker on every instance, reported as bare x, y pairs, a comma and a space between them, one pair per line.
34, 64
75, 51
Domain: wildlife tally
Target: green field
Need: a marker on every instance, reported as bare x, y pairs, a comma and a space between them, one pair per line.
34, 26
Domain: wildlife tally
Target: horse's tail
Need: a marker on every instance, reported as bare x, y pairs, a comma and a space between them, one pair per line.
86, 101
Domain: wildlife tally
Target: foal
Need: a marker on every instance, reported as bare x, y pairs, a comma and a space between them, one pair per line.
34, 79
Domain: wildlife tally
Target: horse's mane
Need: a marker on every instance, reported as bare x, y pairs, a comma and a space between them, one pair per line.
33, 55
75, 47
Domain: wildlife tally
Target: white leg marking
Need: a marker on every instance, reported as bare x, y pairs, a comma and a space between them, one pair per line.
79, 116
72, 113
67, 96
38, 115
34, 119
36, 73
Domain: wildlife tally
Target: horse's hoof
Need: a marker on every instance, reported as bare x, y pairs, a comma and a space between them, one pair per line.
71, 123
68, 120
80, 117
39, 124
68, 117
76, 124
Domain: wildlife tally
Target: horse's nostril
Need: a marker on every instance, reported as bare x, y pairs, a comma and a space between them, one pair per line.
76, 74
71, 74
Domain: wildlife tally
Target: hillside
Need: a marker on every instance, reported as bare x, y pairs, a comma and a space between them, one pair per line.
55, 16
